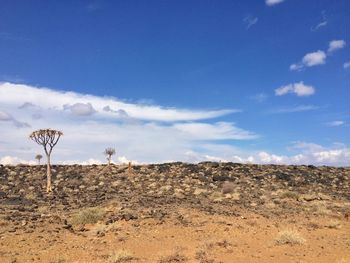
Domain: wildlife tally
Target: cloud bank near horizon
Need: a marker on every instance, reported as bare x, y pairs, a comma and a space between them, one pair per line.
141, 133
145, 133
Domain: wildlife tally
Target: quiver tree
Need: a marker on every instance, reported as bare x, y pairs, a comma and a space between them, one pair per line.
109, 152
38, 157
48, 139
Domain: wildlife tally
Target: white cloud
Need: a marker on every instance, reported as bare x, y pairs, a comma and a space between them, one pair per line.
216, 131
314, 58
299, 108
296, 67
319, 25
80, 109
318, 57
335, 45
16, 94
143, 133
11, 160
310, 60
300, 89
306, 153
250, 20
335, 123
346, 65
159, 135
5, 117
273, 2
323, 23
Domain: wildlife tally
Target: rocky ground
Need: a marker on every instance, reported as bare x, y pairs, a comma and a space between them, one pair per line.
209, 212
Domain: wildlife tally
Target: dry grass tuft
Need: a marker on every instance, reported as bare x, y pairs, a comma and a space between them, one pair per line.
203, 257
290, 237
333, 224
88, 216
228, 187
174, 257
121, 256
290, 195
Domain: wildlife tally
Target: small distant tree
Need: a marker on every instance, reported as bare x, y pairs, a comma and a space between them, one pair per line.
38, 157
109, 152
48, 138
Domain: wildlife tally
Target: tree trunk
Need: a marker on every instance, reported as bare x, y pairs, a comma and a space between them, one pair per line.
48, 173
129, 168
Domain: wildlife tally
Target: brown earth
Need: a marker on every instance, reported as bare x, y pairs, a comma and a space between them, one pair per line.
210, 212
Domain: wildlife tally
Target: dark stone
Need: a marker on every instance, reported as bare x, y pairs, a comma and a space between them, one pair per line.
221, 178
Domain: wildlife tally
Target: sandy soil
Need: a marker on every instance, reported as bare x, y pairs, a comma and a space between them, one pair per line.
193, 237
205, 213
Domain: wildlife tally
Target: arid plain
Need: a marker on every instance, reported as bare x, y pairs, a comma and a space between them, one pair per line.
176, 212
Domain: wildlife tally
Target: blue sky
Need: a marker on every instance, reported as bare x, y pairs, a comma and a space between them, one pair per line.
251, 81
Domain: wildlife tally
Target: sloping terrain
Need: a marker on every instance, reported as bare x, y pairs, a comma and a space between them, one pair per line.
209, 212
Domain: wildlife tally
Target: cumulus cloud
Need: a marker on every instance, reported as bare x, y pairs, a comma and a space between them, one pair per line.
119, 113
27, 105
335, 45
305, 153
250, 21
318, 57
314, 58
299, 89
80, 109
273, 2
310, 60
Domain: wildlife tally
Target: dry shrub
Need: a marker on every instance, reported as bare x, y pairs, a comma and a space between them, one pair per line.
228, 187
203, 257
333, 224
173, 257
290, 195
121, 256
321, 209
313, 225
290, 237
88, 216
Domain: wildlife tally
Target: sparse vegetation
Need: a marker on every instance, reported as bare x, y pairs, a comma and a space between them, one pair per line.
48, 139
38, 157
88, 216
290, 237
228, 187
290, 195
121, 256
333, 224
109, 152
321, 209
203, 257
176, 256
